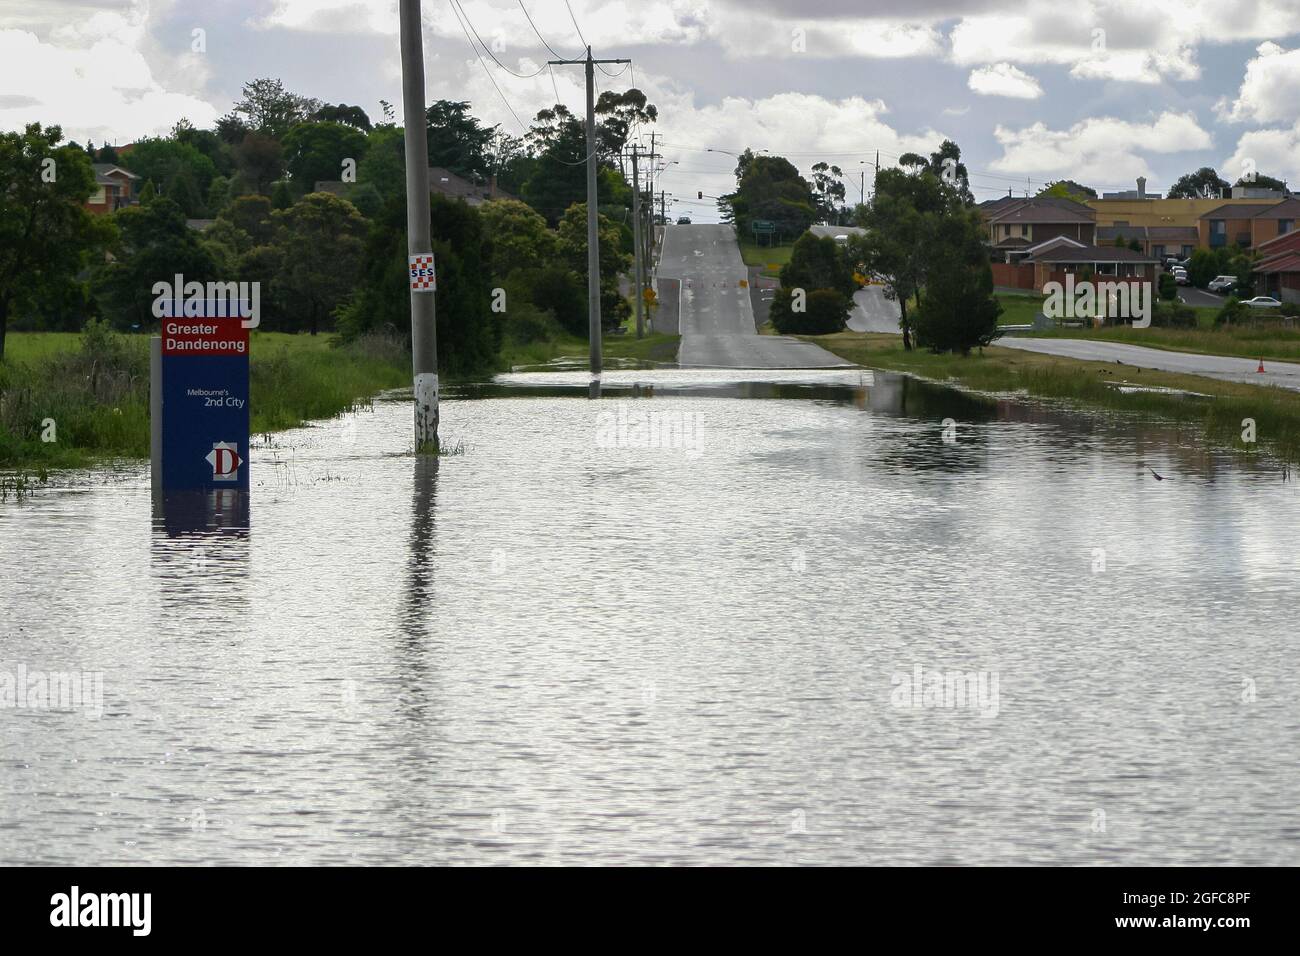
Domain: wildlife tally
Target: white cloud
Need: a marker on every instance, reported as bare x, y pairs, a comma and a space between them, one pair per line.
94, 81
1270, 91
1272, 152
1101, 150
1003, 79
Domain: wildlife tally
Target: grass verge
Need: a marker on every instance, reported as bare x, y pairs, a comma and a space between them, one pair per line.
1276, 411
69, 400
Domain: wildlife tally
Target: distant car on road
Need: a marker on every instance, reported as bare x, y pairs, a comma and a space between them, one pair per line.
684, 221
1263, 302
1222, 283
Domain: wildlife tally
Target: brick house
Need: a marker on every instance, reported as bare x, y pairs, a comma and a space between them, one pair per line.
1279, 267
1054, 259
1015, 225
1248, 226
115, 187
1156, 241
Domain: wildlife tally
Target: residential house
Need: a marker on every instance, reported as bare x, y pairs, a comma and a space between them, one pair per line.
1279, 267
1053, 259
114, 188
1156, 241
1248, 226
1015, 225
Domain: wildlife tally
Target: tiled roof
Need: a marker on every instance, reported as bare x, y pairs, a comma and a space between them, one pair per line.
1045, 209
1092, 254
1282, 209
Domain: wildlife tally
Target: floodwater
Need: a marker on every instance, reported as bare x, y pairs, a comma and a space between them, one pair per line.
677, 624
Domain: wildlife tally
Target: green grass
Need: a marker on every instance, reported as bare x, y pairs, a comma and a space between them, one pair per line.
766, 256
652, 349
1276, 411
1018, 309
1248, 342
95, 390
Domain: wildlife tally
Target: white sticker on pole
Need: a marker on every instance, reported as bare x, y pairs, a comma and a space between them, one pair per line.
423, 278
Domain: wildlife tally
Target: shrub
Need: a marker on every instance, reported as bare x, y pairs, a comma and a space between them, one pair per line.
1233, 311
825, 311
1173, 316
1168, 287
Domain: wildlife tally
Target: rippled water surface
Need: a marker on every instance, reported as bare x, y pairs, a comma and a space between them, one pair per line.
669, 625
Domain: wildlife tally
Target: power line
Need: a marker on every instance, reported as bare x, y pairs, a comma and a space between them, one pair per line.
576, 27
522, 76
523, 128
538, 32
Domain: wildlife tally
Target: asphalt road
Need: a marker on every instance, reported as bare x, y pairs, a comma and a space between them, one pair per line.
716, 318
872, 312
1223, 367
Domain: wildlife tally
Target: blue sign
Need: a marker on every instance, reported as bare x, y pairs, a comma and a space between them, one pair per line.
205, 393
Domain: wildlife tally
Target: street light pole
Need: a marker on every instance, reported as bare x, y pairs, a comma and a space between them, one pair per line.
424, 326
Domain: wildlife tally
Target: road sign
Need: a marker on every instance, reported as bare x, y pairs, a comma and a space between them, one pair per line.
201, 441
763, 226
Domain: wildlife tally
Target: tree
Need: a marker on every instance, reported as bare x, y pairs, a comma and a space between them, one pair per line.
620, 112
520, 239
572, 247
900, 225
384, 163
945, 165
251, 215
469, 333
353, 116
267, 107
558, 178
260, 160
179, 171
958, 311
456, 140
828, 184
770, 188
1068, 189
1202, 184
316, 151
1260, 181
46, 235
318, 250
818, 263
153, 245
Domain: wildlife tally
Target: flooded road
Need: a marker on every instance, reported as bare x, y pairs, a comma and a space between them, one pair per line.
698, 620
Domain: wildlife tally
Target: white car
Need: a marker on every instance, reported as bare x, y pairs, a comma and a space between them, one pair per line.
1222, 283
1180, 277
1263, 302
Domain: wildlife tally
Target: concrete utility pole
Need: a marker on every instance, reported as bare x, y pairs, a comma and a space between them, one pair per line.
636, 241
424, 326
593, 241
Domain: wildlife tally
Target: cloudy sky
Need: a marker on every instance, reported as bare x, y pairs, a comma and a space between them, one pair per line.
1100, 91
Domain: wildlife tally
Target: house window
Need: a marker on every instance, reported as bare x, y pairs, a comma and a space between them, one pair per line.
1158, 252
1285, 226
1006, 231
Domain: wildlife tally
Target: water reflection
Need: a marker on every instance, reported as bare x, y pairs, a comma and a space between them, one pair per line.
565, 648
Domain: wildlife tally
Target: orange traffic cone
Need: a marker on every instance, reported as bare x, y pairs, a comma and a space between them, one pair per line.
1261, 366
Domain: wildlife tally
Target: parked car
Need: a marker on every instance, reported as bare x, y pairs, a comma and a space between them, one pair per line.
1180, 277
684, 221
1263, 302
1222, 283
